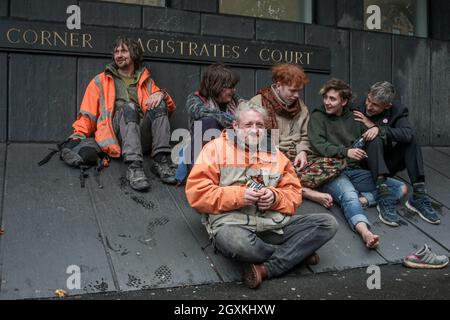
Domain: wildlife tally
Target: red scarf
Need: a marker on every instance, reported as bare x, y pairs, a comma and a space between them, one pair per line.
275, 107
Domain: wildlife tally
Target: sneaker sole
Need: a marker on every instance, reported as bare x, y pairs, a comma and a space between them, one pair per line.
389, 223
415, 265
411, 208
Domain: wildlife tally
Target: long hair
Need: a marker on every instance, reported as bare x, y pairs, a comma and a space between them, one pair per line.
136, 52
215, 78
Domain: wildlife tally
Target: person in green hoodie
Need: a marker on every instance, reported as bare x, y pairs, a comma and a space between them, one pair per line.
333, 132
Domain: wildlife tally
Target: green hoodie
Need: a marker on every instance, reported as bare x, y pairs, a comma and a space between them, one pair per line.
125, 87
332, 136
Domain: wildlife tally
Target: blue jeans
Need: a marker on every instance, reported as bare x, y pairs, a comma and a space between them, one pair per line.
303, 235
352, 183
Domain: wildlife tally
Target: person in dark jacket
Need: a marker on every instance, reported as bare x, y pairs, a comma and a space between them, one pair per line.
332, 132
401, 151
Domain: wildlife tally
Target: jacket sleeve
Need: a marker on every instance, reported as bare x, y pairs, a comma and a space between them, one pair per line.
288, 193
202, 187
402, 130
303, 144
318, 139
171, 106
86, 123
197, 110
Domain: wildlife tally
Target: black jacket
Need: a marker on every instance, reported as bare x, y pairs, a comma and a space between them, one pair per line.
393, 123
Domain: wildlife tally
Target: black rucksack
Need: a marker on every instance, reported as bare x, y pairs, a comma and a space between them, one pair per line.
80, 153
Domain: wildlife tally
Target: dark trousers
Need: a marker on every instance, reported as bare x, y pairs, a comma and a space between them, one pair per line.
387, 161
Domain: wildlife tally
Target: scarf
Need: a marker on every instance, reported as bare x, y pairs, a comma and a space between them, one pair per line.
274, 106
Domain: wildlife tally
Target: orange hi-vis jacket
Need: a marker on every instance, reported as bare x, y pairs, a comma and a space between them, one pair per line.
218, 180
97, 110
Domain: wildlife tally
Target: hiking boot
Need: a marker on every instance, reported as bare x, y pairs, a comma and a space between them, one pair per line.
254, 274
425, 259
421, 205
136, 176
165, 170
387, 211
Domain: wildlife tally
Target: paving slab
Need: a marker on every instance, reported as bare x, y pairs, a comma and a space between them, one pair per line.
438, 185
228, 270
150, 243
49, 225
346, 250
437, 160
445, 150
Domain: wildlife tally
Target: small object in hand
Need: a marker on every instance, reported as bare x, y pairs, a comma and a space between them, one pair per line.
254, 185
60, 293
359, 144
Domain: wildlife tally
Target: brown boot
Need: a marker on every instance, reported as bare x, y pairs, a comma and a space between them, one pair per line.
313, 259
254, 274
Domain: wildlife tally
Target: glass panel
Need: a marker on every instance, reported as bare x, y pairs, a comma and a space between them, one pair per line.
405, 17
159, 3
299, 11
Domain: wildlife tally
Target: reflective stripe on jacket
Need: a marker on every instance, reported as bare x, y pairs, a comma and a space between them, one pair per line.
97, 110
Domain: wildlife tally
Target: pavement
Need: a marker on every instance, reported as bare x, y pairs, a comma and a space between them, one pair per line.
114, 242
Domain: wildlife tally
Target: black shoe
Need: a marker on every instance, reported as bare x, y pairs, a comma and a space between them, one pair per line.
387, 212
136, 176
165, 170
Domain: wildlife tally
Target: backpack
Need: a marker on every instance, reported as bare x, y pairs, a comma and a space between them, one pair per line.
83, 154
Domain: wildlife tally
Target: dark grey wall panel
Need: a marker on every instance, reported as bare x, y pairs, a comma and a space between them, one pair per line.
325, 12
246, 86
280, 31
411, 74
47, 10
88, 68
233, 27
4, 8
42, 97
312, 97
2, 172
3, 97
439, 23
179, 80
263, 78
339, 43
350, 14
370, 60
210, 6
440, 102
111, 14
171, 20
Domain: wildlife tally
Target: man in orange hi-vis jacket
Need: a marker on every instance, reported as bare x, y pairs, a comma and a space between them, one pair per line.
122, 104
249, 192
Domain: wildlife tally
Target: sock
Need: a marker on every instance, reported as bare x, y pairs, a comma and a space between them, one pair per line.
382, 187
419, 188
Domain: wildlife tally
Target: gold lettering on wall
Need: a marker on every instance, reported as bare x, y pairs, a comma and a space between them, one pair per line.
240, 52
47, 38
284, 56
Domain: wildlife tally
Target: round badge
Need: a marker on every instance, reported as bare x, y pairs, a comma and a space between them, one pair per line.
385, 121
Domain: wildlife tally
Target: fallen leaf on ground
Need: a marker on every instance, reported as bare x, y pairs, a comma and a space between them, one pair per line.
60, 293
